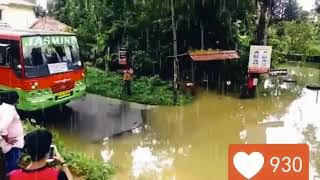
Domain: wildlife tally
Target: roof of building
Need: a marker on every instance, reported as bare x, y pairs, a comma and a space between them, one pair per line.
214, 55
16, 2
29, 32
50, 24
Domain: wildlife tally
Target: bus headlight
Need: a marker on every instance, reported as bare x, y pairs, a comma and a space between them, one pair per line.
39, 93
79, 83
32, 93
46, 92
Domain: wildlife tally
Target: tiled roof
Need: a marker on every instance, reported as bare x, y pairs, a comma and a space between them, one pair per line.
214, 55
50, 24
29, 32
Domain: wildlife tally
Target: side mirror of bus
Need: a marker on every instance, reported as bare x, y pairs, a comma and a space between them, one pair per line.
18, 70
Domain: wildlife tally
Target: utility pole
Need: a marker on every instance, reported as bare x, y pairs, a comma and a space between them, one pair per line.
175, 56
202, 35
106, 61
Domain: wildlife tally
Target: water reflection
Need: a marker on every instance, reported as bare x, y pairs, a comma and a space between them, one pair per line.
191, 142
299, 124
95, 118
147, 164
194, 138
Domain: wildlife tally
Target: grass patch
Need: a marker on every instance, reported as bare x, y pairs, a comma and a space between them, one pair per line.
146, 90
304, 73
79, 164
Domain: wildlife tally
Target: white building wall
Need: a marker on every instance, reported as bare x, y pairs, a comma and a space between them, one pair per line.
18, 17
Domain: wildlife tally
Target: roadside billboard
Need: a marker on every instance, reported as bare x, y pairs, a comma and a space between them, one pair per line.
260, 59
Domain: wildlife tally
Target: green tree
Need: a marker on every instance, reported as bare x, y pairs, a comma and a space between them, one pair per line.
292, 10
264, 10
145, 26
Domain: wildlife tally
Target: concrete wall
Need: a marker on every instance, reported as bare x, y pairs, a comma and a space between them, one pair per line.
19, 17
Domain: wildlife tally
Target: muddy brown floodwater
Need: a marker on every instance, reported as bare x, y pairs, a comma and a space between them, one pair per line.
191, 142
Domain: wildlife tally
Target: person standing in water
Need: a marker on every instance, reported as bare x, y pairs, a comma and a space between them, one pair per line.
127, 77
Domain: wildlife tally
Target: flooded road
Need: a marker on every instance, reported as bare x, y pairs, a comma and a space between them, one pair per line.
191, 142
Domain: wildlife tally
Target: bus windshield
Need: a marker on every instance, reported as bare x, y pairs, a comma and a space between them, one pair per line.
46, 55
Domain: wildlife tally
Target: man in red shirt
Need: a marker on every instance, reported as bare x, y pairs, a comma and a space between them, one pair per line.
37, 145
252, 83
127, 77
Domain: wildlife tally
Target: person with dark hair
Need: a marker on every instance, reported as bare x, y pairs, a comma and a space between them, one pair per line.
37, 145
252, 85
11, 130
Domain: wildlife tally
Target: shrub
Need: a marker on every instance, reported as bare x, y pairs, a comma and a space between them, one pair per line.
146, 90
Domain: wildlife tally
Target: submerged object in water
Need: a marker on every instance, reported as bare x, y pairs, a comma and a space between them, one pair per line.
290, 80
313, 87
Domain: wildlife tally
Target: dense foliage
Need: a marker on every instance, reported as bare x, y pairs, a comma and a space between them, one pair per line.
144, 27
79, 164
299, 38
146, 90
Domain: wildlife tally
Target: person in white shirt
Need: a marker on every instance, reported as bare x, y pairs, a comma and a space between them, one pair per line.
11, 130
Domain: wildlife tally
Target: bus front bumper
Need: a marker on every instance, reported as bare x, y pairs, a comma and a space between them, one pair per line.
46, 101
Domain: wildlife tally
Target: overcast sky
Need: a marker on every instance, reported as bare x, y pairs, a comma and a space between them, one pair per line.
42, 3
307, 4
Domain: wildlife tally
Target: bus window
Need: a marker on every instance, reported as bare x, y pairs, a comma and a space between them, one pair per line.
14, 57
9, 53
36, 57
3, 59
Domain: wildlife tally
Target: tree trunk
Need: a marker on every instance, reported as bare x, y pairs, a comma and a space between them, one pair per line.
106, 65
264, 19
147, 39
202, 35
159, 55
175, 55
127, 40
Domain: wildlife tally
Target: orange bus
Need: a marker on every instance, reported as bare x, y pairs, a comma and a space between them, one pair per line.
44, 68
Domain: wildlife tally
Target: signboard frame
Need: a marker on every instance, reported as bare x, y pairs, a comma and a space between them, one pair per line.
260, 59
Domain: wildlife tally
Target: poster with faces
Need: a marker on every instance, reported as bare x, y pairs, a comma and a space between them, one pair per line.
260, 59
